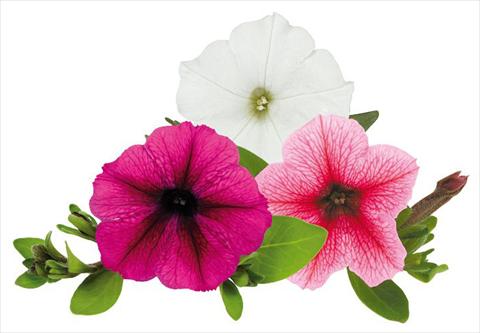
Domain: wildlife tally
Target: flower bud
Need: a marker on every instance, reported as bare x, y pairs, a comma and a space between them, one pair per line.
40, 253
446, 189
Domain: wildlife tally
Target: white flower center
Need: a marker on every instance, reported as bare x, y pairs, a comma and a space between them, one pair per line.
260, 101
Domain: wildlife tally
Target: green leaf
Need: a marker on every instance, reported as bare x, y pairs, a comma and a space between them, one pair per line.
30, 281
365, 119
52, 251
289, 244
426, 271
252, 162
75, 265
231, 299
97, 293
24, 246
72, 231
386, 299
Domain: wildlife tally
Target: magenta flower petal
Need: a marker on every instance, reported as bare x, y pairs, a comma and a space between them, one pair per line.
180, 208
332, 178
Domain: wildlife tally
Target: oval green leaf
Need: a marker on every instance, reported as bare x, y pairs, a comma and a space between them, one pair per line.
30, 281
252, 162
97, 293
386, 299
365, 119
231, 299
289, 244
24, 245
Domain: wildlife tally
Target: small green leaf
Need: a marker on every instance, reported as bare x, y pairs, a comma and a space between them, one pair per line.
289, 244
72, 231
82, 224
172, 122
75, 265
403, 216
55, 264
413, 231
28, 262
24, 246
417, 258
30, 281
74, 208
97, 293
231, 299
426, 271
52, 251
386, 299
365, 119
250, 161
240, 277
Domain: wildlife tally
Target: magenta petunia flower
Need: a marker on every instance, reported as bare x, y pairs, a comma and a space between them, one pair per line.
332, 178
179, 207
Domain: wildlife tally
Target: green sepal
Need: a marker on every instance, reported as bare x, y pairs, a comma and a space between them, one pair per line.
413, 231
403, 216
253, 163
75, 232
386, 299
24, 245
40, 270
75, 265
417, 258
365, 119
28, 263
52, 251
231, 299
55, 264
97, 293
246, 259
30, 281
82, 224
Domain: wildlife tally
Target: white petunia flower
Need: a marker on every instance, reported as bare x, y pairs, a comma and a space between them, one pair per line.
262, 84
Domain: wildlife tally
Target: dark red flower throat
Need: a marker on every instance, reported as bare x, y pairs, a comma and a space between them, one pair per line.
179, 201
339, 200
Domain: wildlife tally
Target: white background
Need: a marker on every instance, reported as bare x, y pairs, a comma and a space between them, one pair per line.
81, 81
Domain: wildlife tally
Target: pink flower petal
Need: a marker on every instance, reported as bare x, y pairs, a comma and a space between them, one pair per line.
179, 207
132, 249
330, 177
377, 253
194, 257
327, 148
123, 192
386, 178
190, 152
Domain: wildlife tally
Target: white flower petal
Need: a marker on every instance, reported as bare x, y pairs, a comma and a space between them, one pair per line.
216, 87
204, 102
316, 73
261, 137
289, 114
218, 65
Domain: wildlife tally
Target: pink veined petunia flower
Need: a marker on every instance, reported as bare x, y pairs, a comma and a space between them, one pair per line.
332, 178
179, 207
